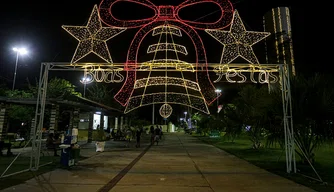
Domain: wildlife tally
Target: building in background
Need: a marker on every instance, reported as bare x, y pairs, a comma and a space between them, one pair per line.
279, 44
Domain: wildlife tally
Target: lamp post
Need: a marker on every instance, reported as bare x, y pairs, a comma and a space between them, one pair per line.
19, 51
84, 81
218, 91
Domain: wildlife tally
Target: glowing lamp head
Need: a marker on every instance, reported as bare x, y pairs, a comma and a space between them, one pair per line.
85, 79
21, 51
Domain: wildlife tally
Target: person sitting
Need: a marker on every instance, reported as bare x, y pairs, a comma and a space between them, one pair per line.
52, 143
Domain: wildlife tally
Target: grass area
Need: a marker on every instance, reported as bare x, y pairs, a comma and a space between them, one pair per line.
273, 160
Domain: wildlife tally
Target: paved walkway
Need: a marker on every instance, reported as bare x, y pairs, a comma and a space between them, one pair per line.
180, 163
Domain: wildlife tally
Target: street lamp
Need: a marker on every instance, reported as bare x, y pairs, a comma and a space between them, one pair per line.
218, 91
185, 115
19, 51
85, 80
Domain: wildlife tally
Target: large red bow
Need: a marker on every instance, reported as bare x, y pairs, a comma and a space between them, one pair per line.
167, 13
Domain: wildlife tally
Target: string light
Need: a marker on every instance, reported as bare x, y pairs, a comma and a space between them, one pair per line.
167, 12
237, 42
163, 14
93, 37
167, 46
192, 101
265, 73
106, 74
165, 110
201, 65
156, 81
196, 101
169, 63
164, 29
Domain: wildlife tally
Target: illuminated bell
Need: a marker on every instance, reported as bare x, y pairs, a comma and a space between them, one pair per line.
166, 82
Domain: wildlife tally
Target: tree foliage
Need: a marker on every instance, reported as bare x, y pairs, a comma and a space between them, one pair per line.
313, 112
61, 89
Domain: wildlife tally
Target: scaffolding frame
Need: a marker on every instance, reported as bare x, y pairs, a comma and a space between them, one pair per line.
284, 77
289, 139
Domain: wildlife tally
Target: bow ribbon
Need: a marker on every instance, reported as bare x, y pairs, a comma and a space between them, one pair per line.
167, 13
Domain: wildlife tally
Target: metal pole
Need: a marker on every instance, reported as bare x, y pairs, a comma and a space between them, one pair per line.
217, 104
84, 88
153, 114
17, 60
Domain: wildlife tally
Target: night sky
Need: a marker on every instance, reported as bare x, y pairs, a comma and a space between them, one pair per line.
36, 25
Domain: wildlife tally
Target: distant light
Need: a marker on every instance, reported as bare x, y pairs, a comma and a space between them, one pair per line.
98, 112
185, 112
21, 51
218, 90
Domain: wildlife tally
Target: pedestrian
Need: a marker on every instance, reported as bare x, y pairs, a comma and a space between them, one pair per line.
156, 135
138, 135
161, 133
128, 137
152, 134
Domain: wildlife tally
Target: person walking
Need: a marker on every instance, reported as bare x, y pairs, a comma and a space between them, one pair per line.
152, 134
138, 135
128, 137
156, 135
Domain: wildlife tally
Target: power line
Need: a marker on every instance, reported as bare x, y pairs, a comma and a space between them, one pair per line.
240, 1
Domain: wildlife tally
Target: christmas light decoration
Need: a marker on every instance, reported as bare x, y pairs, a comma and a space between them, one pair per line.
192, 101
166, 81
106, 74
167, 46
156, 81
93, 37
156, 23
165, 110
237, 42
167, 12
164, 29
168, 63
235, 73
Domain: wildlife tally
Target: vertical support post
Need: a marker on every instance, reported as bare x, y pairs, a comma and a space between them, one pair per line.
126, 122
32, 126
101, 121
287, 118
76, 118
70, 123
90, 127
153, 114
112, 122
116, 123
36, 132
54, 118
121, 124
3, 119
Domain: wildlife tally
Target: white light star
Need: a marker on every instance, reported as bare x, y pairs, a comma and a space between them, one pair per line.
93, 37
237, 42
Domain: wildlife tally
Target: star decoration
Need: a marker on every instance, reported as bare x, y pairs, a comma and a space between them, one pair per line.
93, 37
237, 42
